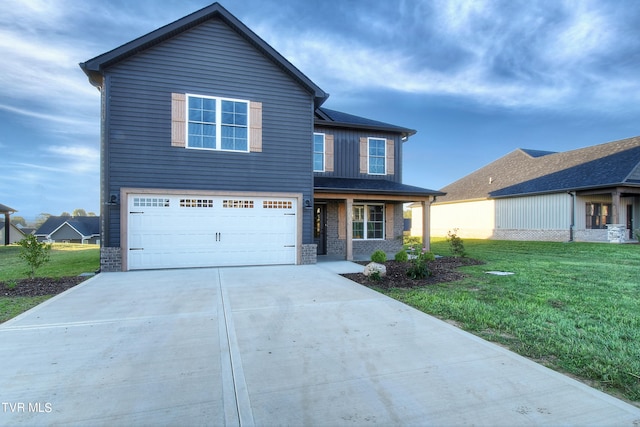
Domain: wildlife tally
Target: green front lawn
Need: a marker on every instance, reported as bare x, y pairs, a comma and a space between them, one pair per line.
66, 260
574, 307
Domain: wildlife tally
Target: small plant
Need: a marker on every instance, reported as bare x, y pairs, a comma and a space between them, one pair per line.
456, 244
34, 253
637, 233
419, 268
379, 256
11, 284
375, 276
402, 256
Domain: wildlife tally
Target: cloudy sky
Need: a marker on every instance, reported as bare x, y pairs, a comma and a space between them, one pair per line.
476, 78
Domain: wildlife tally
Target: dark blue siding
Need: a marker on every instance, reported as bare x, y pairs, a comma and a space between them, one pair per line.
346, 149
214, 60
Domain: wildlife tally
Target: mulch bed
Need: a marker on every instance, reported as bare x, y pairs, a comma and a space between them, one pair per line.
442, 270
39, 286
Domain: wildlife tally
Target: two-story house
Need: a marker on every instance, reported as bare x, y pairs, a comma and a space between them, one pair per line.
216, 151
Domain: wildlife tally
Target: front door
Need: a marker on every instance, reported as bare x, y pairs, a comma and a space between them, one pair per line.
630, 220
320, 228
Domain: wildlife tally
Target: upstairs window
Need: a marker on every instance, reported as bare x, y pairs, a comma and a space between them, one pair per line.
318, 152
377, 151
217, 123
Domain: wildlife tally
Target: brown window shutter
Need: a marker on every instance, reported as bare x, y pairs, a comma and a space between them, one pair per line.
342, 221
255, 123
364, 155
178, 120
389, 219
391, 157
328, 153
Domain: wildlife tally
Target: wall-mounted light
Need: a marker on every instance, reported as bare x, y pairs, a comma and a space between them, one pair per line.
113, 199
307, 204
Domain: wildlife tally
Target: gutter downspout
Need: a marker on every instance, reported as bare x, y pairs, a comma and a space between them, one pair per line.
573, 214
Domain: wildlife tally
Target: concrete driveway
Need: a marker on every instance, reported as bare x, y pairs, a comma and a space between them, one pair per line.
268, 346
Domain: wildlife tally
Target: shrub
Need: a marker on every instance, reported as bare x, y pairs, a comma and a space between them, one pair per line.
402, 256
379, 256
412, 241
34, 253
637, 232
375, 276
456, 244
419, 268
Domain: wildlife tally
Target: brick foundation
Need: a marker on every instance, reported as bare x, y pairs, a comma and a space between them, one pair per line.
110, 260
309, 253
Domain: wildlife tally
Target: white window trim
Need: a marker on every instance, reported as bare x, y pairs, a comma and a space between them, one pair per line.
366, 220
218, 100
369, 156
324, 151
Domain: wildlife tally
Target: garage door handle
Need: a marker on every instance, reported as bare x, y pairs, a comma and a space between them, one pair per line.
136, 212
289, 246
136, 249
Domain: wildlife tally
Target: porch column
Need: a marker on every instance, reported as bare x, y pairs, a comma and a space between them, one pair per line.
615, 207
426, 224
349, 236
7, 228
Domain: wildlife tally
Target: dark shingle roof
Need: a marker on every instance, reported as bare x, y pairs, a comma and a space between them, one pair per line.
534, 172
370, 186
85, 225
94, 67
6, 209
333, 118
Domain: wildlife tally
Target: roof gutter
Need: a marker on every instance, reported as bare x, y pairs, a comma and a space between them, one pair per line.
404, 132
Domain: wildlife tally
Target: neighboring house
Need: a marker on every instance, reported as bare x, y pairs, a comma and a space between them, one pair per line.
15, 233
10, 234
589, 194
70, 229
216, 151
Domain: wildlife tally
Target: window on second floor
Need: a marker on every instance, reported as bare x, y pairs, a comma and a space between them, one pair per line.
368, 222
217, 123
377, 151
318, 152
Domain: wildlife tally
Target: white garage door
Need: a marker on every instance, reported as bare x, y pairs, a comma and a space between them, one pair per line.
169, 231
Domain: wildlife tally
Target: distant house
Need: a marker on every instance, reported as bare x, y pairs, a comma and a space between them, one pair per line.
590, 194
10, 234
217, 151
68, 229
15, 233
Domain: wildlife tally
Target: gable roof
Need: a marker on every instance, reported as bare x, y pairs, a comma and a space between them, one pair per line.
333, 118
93, 68
85, 225
527, 172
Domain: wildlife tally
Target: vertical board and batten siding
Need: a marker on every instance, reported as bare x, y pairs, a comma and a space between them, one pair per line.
210, 59
543, 212
346, 154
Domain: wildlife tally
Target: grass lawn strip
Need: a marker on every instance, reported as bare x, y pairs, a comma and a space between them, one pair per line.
67, 262
574, 307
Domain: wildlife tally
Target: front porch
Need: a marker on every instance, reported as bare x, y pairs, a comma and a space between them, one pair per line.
354, 218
